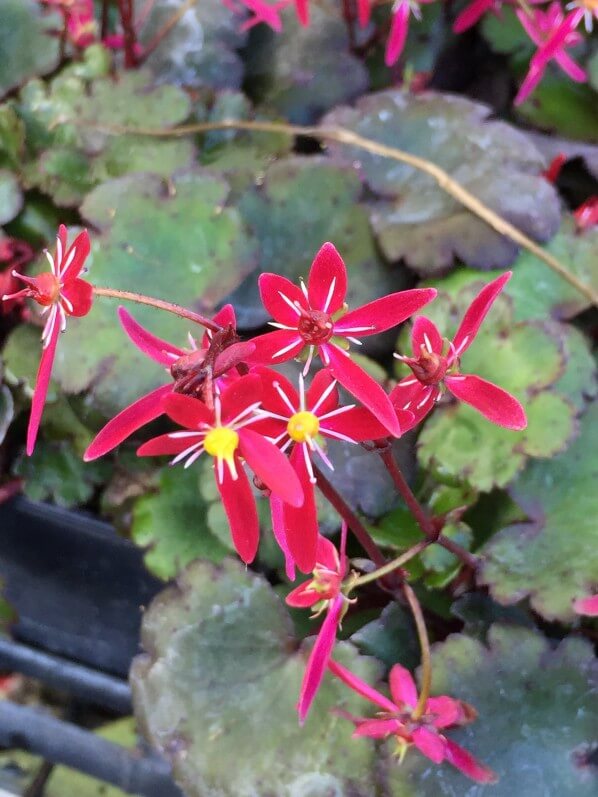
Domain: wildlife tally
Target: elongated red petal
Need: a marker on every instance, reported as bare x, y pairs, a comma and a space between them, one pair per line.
186, 411
364, 12
357, 423
402, 686
491, 401
167, 445
327, 283
318, 659
81, 248
362, 386
399, 28
271, 466
430, 744
409, 395
133, 417
477, 311
425, 332
155, 348
471, 14
360, 687
301, 525
279, 297
467, 764
239, 505
446, 711
225, 317
302, 9
41, 387
377, 729
240, 395
587, 606
273, 383
319, 385
302, 597
327, 555
276, 347
277, 514
384, 313
80, 295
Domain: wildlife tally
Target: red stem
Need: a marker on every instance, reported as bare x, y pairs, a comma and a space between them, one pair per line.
130, 37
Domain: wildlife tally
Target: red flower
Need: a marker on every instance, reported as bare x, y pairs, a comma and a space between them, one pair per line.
424, 732
80, 21
301, 420
221, 432
183, 365
474, 12
435, 364
586, 215
312, 317
61, 293
399, 27
323, 592
555, 167
16, 254
587, 605
264, 12
553, 33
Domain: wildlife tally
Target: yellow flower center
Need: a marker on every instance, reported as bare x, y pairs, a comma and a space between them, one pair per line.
221, 442
303, 425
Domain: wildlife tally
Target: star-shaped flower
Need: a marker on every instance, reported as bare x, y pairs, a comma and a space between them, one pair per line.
61, 293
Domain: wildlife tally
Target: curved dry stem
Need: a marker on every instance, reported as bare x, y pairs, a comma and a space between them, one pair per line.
344, 136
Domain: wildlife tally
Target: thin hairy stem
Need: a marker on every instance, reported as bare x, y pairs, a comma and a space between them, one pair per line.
390, 567
170, 23
348, 137
159, 304
424, 643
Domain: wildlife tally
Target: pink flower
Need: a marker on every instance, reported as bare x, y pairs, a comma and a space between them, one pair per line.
364, 12
553, 33
264, 12
555, 167
15, 254
586, 215
424, 732
222, 433
302, 11
435, 364
301, 420
323, 592
80, 20
399, 27
187, 367
587, 605
474, 12
313, 316
61, 293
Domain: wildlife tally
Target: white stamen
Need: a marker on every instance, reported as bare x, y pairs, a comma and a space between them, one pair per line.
406, 407
338, 411
308, 362
284, 397
323, 456
338, 436
232, 468
428, 344
408, 383
280, 326
425, 399
192, 449
287, 444
457, 378
291, 304
67, 303
182, 435
220, 470
324, 356
69, 260
218, 408
461, 345
243, 413
301, 393
59, 251
399, 356
263, 414
329, 297
285, 349
304, 289
355, 340
193, 458
308, 464
191, 341
51, 262
324, 396
344, 330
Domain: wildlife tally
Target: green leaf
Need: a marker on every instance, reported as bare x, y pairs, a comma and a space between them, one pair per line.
200, 50
12, 136
536, 725
505, 34
553, 559
7, 411
11, 198
70, 155
176, 240
304, 71
20, 355
26, 46
300, 203
173, 522
413, 218
391, 638
219, 684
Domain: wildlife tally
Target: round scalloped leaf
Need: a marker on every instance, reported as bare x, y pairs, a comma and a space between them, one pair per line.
303, 72
553, 558
301, 203
201, 48
26, 45
173, 239
11, 197
218, 686
413, 217
75, 156
536, 725
173, 522
391, 638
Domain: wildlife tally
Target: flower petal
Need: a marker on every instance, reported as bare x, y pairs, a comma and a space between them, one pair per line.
360, 687
80, 295
466, 763
471, 14
133, 417
409, 395
425, 332
225, 317
81, 247
364, 12
430, 744
384, 313
587, 605
239, 505
327, 555
357, 423
153, 347
41, 387
301, 525
319, 385
318, 658
271, 466
402, 687
232, 356
362, 386
302, 597
446, 711
279, 297
327, 283
240, 395
167, 445
302, 10
377, 729
271, 396
277, 514
477, 311
276, 347
491, 401
187, 411
399, 27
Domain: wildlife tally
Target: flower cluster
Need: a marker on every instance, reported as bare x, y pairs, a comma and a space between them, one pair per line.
265, 433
